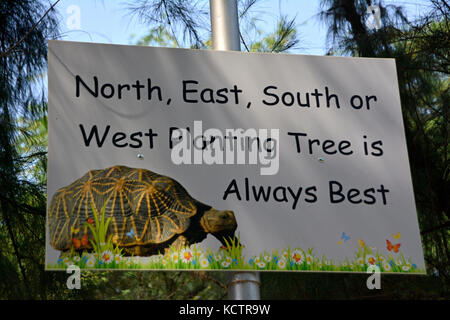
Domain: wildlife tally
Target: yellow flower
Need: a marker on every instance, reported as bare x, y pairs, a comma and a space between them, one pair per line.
309, 259
175, 257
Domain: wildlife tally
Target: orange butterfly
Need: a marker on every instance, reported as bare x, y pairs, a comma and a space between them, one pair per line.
361, 243
76, 243
391, 246
84, 240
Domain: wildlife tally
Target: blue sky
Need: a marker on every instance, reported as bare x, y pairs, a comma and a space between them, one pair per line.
109, 21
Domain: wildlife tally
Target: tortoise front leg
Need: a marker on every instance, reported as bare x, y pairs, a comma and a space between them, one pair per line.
178, 244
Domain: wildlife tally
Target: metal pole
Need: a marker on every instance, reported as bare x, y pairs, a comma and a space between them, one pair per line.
225, 25
225, 36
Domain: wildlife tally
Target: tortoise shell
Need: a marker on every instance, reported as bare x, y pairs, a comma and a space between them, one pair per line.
145, 207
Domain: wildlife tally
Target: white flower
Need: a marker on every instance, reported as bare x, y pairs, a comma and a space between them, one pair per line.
309, 259
267, 258
175, 257
225, 264
204, 263
297, 257
281, 263
107, 256
90, 263
407, 266
91, 256
156, 258
117, 259
67, 261
186, 255
386, 267
76, 258
219, 255
261, 265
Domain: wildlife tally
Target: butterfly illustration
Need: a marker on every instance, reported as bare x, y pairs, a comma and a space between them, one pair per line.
84, 240
397, 235
131, 234
393, 247
345, 237
76, 243
361, 243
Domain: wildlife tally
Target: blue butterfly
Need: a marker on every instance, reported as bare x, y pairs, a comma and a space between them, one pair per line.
345, 237
131, 234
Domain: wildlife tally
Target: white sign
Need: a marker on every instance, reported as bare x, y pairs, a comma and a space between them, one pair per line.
309, 153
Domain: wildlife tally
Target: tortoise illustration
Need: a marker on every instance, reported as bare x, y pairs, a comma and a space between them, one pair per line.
149, 212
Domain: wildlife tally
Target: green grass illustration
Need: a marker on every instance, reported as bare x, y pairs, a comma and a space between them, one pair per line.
231, 258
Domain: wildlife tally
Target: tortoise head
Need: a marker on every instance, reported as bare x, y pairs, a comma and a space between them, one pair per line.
221, 224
